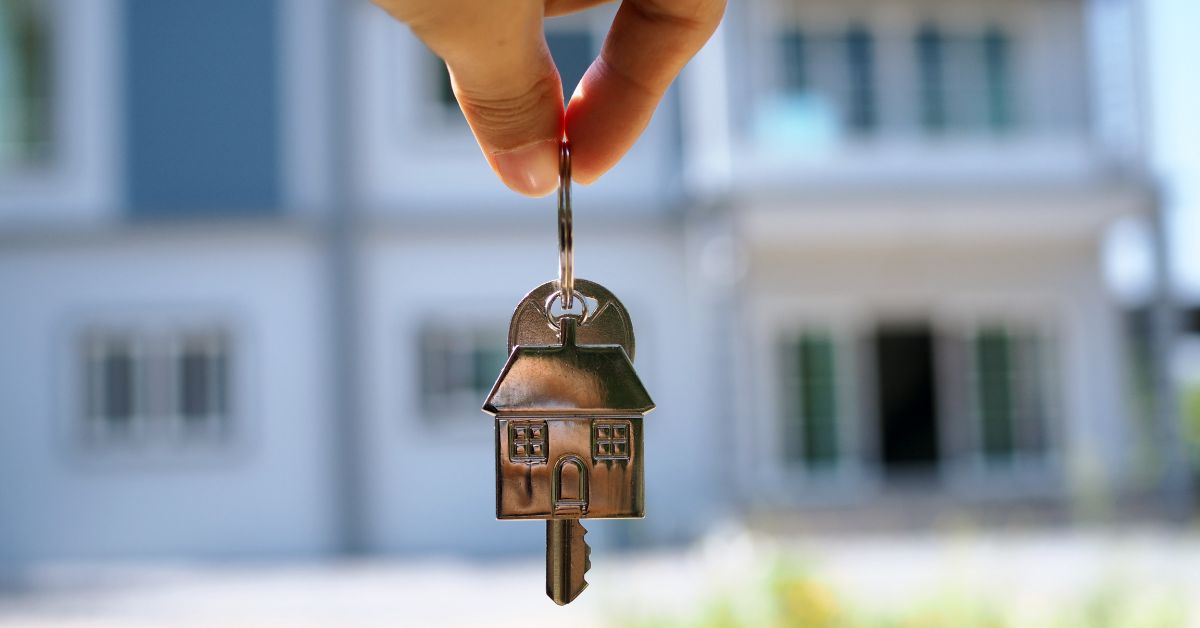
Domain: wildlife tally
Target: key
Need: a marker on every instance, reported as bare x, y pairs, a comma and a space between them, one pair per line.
568, 418
569, 410
568, 558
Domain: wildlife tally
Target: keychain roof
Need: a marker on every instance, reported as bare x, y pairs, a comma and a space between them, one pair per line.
587, 379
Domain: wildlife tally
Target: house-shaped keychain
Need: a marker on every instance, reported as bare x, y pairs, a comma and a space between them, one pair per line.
569, 416
569, 431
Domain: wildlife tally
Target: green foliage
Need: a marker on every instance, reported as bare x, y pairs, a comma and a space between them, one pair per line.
789, 595
1191, 417
1114, 604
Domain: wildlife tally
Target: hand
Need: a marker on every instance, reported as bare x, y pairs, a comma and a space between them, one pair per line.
510, 92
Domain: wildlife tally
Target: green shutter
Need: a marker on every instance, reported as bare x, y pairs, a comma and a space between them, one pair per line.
25, 82
811, 430
996, 51
862, 112
993, 363
794, 52
931, 57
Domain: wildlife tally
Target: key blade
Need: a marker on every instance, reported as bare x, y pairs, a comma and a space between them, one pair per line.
568, 558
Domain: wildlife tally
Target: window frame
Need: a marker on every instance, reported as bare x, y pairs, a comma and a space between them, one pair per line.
897, 97
219, 362
778, 323
158, 437
79, 182
530, 440
156, 418
94, 350
756, 446
611, 439
968, 470
44, 12
468, 341
1024, 345
798, 427
948, 107
862, 81
929, 42
850, 86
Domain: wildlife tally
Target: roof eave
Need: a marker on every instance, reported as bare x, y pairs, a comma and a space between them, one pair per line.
582, 413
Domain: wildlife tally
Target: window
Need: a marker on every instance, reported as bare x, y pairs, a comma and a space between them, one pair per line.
810, 398
527, 441
860, 60
203, 367
458, 368
1009, 399
830, 76
610, 440
996, 51
794, 47
965, 81
112, 396
828, 83
930, 50
155, 388
25, 82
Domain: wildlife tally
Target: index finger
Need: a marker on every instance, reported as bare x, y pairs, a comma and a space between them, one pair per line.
649, 43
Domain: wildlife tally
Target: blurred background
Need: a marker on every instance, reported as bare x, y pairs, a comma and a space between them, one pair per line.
916, 285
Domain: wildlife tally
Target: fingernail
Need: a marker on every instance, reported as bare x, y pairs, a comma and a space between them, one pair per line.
531, 169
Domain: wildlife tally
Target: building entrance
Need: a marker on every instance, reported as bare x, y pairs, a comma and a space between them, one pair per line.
907, 400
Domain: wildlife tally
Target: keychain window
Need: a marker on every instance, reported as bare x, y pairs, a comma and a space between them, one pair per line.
527, 441
611, 440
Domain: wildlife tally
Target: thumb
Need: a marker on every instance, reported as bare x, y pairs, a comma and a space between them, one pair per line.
510, 92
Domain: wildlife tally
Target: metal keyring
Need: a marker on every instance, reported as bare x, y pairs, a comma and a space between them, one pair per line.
584, 316
566, 244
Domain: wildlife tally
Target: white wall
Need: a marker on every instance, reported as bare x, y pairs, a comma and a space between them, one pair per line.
264, 494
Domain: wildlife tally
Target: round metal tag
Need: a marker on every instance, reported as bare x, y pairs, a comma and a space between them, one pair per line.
604, 320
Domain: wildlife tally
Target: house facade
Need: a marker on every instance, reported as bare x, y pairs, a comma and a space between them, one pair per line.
860, 244
917, 197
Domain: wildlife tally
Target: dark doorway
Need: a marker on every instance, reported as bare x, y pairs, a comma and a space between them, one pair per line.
908, 426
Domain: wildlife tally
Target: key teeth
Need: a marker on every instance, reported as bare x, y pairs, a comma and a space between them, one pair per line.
568, 559
587, 559
587, 555
587, 552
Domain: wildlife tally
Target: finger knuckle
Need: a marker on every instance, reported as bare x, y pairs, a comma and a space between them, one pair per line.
506, 117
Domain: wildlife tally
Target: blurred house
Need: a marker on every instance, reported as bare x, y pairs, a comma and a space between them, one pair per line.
919, 192
257, 278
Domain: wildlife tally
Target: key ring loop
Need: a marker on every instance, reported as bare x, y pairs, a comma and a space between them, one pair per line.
566, 239
584, 316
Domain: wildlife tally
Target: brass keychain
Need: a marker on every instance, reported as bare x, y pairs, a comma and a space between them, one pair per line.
569, 408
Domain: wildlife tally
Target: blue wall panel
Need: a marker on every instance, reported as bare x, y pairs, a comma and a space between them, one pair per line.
202, 107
